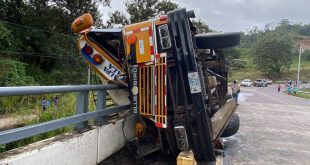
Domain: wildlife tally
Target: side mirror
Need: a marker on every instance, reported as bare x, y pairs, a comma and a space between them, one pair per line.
82, 23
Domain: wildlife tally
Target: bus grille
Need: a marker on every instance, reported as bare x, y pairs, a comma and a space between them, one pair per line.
161, 92
146, 80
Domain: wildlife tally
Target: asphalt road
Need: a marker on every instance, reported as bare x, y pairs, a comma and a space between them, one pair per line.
274, 129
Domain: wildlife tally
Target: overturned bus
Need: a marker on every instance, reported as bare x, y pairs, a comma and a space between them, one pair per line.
176, 81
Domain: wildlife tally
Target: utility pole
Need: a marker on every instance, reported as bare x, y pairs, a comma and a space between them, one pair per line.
88, 76
300, 50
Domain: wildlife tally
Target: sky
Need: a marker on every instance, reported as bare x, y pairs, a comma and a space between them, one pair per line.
238, 15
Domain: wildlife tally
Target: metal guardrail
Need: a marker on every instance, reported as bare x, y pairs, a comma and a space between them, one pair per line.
79, 120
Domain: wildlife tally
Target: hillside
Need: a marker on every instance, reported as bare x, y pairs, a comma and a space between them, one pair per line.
272, 53
250, 71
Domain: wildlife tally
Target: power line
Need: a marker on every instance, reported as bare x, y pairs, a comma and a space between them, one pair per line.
54, 56
29, 27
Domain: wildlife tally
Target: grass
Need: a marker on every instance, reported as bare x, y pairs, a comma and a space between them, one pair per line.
249, 72
67, 107
303, 95
306, 90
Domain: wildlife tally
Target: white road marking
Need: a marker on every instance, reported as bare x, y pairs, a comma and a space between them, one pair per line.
272, 98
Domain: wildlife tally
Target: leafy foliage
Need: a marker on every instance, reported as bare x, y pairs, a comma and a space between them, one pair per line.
15, 73
237, 64
305, 30
6, 38
231, 53
163, 7
306, 55
141, 10
201, 26
273, 52
38, 33
247, 40
117, 17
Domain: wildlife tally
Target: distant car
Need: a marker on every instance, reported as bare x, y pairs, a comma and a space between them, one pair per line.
260, 83
246, 83
269, 82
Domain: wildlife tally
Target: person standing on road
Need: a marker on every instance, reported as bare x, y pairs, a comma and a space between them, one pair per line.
295, 90
289, 90
279, 88
235, 89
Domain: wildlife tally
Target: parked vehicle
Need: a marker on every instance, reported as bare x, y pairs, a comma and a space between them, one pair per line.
269, 82
260, 83
246, 83
180, 95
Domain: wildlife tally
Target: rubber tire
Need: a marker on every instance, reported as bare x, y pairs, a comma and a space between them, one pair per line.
217, 40
232, 127
228, 96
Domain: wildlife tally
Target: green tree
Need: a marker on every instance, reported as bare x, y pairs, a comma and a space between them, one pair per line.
117, 17
142, 10
304, 30
42, 35
201, 26
231, 53
306, 55
285, 27
14, 73
273, 52
247, 40
165, 6
6, 39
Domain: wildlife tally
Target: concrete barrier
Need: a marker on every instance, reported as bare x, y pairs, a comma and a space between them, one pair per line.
89, 148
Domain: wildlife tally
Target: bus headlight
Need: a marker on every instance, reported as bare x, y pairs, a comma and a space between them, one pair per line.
181, 137
164, 36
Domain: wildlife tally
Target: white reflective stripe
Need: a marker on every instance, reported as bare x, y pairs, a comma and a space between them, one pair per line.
155, 102
151, 40
129, 32
165, 79
166, 101
155, 82
152, 57
151, 119
144, 29
148, 63
154, 34
163, 54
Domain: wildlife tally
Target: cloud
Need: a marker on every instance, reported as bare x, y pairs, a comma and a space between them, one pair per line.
239, 15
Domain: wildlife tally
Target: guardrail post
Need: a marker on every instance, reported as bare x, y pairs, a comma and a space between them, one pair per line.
81, 107
101, 103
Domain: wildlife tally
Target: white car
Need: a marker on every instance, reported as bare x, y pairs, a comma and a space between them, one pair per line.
269, 82
246, 83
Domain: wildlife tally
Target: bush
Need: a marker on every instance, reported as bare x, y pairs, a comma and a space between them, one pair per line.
237, 64
13, 73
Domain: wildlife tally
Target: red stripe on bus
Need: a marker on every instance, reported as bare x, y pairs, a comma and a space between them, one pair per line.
150, 31
159, 125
